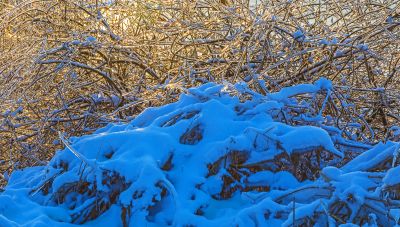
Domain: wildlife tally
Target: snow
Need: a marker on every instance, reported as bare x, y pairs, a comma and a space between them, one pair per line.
362, 47
304, 138
392, 177
395, 213
193, 162
299, 35
370, 158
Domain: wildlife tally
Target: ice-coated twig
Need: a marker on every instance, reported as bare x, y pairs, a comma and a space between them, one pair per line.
75, 152
396, 154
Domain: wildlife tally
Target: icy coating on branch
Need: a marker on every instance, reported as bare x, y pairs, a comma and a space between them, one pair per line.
222, 155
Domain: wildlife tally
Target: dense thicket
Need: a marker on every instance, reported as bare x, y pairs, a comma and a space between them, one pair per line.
74, 65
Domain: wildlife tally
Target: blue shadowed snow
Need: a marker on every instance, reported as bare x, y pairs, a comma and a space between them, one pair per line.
210, 159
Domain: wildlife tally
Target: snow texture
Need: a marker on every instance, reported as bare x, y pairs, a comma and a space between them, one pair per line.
213, 158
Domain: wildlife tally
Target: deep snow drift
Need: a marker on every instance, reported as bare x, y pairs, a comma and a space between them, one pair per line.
222, 155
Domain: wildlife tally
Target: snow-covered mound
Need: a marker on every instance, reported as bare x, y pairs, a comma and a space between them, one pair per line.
222, 155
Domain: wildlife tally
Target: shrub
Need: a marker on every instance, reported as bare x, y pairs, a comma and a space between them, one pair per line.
74, 66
